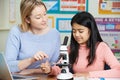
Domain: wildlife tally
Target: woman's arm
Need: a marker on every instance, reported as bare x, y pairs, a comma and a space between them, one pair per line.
12, 51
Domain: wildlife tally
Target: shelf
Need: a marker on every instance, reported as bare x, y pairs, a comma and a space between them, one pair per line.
4, 29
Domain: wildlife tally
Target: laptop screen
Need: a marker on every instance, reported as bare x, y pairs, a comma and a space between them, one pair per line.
4, 71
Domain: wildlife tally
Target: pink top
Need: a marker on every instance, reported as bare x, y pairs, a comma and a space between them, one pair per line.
103, 54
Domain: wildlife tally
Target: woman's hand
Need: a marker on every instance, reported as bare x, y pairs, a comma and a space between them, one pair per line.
40, 56
45, 67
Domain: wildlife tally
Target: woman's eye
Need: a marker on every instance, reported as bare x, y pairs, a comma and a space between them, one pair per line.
45, 14
38, 17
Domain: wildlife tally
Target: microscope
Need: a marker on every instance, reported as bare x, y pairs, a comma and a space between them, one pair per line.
65, 74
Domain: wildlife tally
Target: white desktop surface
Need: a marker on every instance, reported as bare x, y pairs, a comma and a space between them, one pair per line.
83, 78
104, 79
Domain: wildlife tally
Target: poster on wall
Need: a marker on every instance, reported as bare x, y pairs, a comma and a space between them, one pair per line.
12, 7
51, 21
52, 6
66, 6
63, 25
110, 31
73, 5
109, 7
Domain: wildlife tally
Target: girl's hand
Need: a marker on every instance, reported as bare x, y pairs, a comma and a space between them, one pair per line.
30, 71
45, 67
40, 56
81, 74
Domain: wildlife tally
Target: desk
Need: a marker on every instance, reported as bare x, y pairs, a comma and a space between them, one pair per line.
46, 77
104, 79
43, 77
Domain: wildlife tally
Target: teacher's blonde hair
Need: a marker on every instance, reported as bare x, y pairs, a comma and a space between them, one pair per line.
26, 7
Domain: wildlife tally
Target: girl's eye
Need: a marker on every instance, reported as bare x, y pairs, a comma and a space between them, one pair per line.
73, 31
80, 31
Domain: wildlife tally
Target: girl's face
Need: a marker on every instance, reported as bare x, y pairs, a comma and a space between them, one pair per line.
80, 33
38, 18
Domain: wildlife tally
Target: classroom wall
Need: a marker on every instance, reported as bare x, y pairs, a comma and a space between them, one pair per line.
5, 24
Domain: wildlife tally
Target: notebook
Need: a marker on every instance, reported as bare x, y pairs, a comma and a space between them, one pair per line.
5, 73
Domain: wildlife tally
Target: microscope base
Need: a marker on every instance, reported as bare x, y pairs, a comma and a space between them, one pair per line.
65, 76
66, 79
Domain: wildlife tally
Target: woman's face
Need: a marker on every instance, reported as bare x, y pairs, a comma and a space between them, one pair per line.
38, 18
80, 33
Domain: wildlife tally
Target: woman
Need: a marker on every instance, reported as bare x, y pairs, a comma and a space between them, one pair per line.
32, 42
88, 53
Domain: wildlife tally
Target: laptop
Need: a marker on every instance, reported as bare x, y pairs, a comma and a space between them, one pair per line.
5, 73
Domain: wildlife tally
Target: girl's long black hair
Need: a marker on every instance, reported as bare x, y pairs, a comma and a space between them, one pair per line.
87, 20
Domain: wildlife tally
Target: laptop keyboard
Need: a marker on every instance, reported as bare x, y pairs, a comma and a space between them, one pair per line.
17, 77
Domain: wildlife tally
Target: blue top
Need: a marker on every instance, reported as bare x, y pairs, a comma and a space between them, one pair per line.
22, 45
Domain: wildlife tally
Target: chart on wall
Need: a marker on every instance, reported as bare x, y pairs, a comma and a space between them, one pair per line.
63, 25
110, 31
109, 6
66, 6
